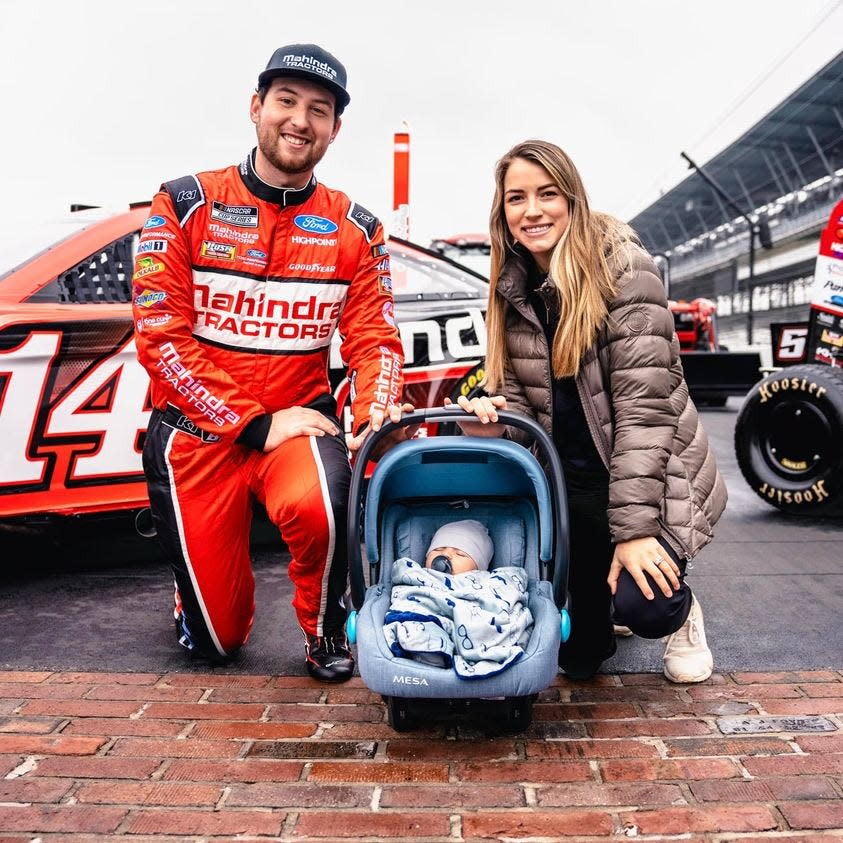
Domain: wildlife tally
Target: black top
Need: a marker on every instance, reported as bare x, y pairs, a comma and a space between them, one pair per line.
584, 470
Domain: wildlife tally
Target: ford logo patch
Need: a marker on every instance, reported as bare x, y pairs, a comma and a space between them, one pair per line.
308, 222
154, 222
256, 253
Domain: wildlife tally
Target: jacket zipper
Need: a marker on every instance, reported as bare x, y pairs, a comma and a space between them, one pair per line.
591, 421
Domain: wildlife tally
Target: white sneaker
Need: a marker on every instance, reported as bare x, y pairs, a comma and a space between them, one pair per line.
686, 654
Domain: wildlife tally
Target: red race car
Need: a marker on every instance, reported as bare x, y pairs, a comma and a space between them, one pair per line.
74, 401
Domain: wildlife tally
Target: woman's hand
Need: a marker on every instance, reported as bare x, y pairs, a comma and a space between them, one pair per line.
640, 555
486, 409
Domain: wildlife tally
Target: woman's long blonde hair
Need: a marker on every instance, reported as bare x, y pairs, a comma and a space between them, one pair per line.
583, 265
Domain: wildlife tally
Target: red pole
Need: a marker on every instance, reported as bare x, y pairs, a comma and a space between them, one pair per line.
401, 185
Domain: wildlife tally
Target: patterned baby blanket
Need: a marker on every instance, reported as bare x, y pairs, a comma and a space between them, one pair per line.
477, 622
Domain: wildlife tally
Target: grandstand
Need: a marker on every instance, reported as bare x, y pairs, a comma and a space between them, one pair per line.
787, 171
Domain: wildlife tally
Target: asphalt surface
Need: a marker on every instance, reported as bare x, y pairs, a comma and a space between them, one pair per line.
771, 587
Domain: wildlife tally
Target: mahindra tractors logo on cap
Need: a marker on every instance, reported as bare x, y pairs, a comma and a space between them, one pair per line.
309, 222
291, 60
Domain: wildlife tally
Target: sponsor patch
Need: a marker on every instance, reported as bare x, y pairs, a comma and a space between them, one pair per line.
276, 316
311, 267
155, 222
218, 251
314, 224
378, 251
152, 246
148, 235
383, 266
146, 266
313, 241
257, 254
388, 312
243, 216
364, 220
385, 283
225, 233
156, 321
149, 298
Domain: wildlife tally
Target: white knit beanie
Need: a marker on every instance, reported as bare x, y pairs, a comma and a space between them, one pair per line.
469, 536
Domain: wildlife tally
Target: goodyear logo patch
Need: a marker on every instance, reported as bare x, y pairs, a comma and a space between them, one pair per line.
149, 298
218, 251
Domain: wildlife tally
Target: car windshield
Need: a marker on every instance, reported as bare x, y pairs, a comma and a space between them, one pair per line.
420, 277
20, 242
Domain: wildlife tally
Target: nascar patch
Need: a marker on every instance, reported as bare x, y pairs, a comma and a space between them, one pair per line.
243, 216
218, 251
384, 283
379, 251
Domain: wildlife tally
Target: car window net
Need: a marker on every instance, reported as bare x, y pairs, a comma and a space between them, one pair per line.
102, 278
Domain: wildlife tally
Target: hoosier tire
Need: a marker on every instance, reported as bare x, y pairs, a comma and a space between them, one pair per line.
789, 440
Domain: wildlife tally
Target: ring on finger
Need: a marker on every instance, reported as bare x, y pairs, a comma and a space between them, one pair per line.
659, 561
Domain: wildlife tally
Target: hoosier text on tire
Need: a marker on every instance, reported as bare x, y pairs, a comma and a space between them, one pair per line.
789, 440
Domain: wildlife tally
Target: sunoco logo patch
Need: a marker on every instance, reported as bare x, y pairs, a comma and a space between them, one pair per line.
244, 216
149, 298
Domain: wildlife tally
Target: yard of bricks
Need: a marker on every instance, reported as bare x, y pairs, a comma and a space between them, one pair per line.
743, 756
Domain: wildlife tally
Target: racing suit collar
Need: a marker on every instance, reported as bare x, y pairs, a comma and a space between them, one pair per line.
282, 196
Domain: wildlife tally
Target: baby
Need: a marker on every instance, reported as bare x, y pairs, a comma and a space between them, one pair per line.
455, 612
459, 547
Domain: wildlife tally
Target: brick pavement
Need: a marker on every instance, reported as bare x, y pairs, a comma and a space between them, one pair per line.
88, 756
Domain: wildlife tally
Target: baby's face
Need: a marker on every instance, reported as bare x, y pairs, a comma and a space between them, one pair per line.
461, 562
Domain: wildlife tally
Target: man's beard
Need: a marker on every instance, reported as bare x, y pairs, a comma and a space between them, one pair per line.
268, 144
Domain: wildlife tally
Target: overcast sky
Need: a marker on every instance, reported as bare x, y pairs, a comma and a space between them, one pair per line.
103, 100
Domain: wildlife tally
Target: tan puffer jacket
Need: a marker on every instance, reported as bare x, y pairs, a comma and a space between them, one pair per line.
663, 480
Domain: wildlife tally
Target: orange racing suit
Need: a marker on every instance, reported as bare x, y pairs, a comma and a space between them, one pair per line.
238, 289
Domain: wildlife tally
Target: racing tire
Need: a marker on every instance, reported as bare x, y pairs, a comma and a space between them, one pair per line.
789, 440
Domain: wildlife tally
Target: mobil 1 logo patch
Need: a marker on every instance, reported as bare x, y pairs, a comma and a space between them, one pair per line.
152, 246
243, 216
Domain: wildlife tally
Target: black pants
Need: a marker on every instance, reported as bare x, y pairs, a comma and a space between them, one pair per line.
592, 639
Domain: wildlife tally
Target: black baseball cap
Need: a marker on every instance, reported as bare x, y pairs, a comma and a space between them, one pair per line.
310, 62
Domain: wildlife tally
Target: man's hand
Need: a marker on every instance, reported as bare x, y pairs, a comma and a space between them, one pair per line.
644, 555
297, 421
376, 420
